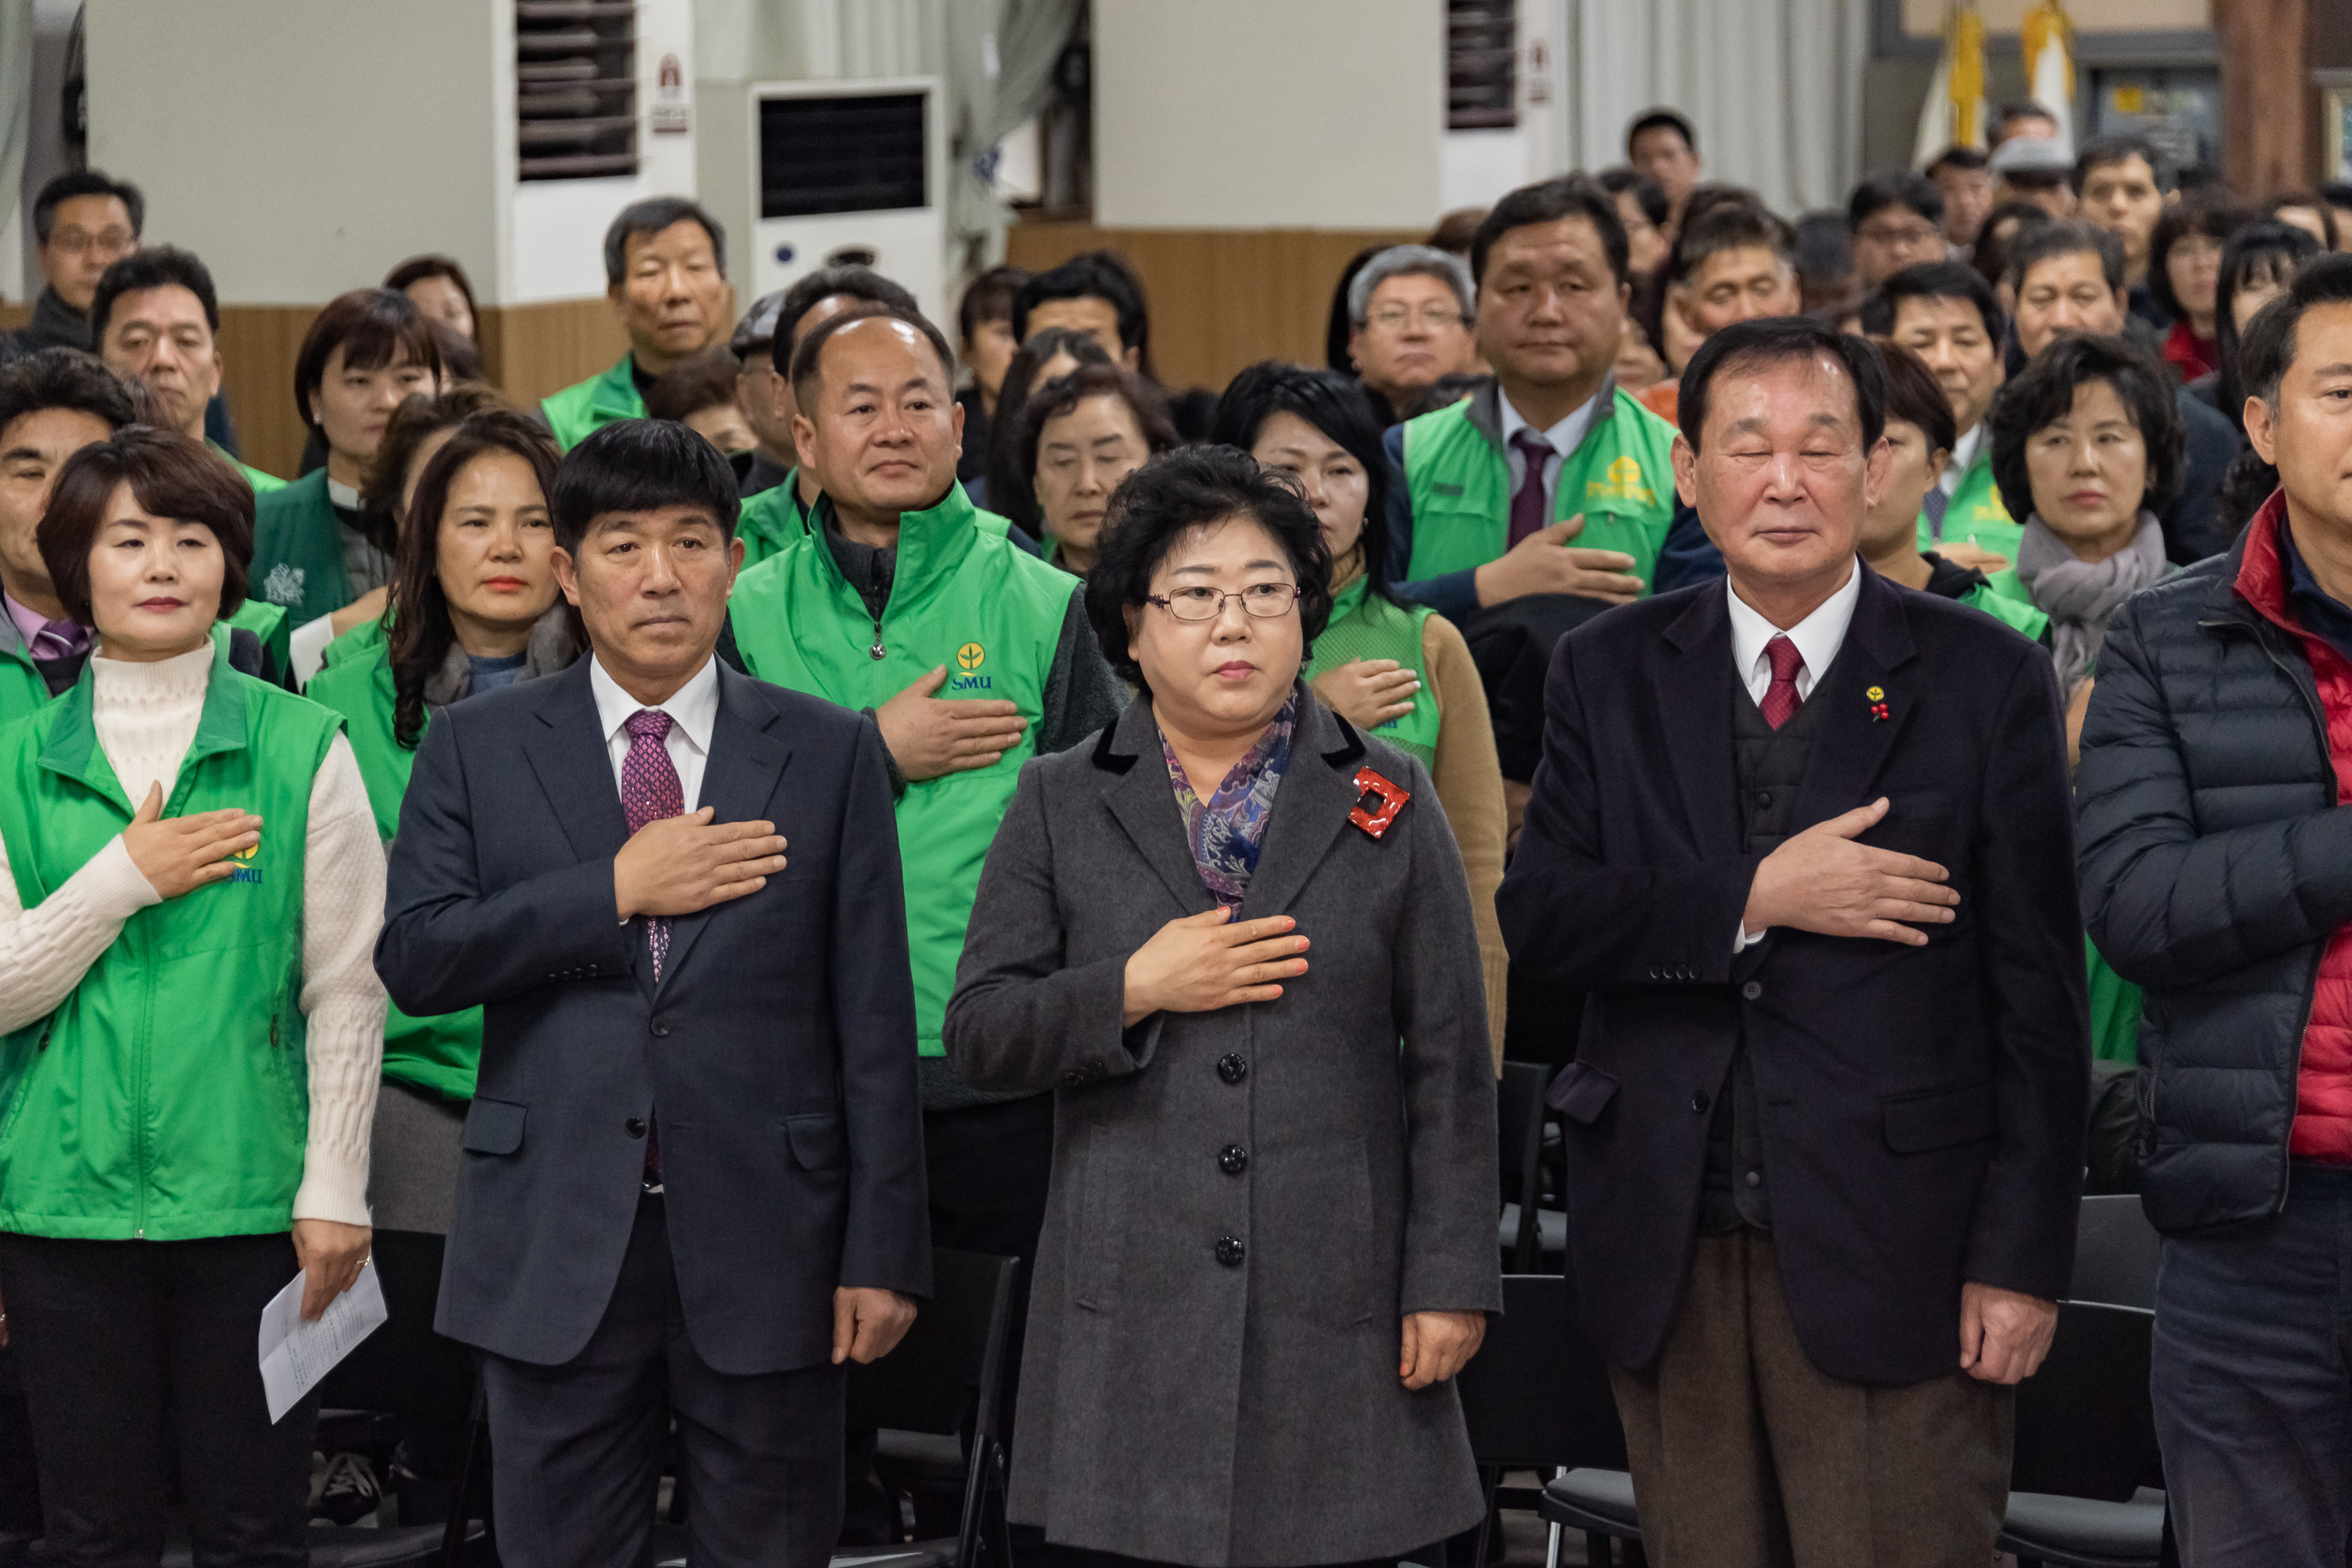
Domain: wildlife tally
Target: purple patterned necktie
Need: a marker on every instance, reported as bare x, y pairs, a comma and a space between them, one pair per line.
649, 792
1529, 513
60, 639
1780, 700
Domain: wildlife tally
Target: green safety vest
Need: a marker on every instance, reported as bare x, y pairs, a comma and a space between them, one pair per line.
23, 690
964, 595
2014, 611
262, 483
2115, 1011
1619, 477
585, 406
167, 1096
1363, 625
1976, 515
771, 521
298, 551
440, 1054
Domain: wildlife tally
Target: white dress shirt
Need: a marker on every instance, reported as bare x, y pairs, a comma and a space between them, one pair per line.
693, 709
1964, 452
1565, 438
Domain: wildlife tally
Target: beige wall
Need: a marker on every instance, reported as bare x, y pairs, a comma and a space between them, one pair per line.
1925, 18
1249, 114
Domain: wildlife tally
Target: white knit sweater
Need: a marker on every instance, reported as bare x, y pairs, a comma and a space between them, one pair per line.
146, 716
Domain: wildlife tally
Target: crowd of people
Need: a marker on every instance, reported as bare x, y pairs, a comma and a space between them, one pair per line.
640, 871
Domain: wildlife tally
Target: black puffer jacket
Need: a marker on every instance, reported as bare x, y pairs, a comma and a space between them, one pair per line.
2215, 863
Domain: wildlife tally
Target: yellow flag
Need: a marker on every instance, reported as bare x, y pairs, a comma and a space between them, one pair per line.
1966, 85
2046, 37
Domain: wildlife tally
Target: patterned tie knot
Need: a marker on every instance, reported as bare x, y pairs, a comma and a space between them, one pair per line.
1532, 446
653, 724
1784, 658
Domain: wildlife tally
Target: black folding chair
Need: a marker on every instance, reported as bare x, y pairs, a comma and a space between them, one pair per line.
2115, 1253
1527, 1233
2083, 1489
1536, 1397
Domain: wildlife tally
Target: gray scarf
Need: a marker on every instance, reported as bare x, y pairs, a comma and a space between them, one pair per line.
550, 649
2082, 596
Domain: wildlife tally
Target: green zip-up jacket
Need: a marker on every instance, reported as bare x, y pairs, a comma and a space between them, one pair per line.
961, 595
1976, 515
771, 520
167, 1097
1451, 513
298, 551
585, 406
438, 1055
1364, 626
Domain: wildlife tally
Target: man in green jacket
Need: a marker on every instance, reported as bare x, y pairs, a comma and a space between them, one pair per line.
903, 598
665, 276
1945, 314
1552, 480
155, 319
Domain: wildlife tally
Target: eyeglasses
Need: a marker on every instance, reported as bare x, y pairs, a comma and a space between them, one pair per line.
1392, 318
111, 242
1267, 601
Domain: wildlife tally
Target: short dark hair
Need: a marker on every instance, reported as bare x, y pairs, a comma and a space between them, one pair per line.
63, 189
2044, 393
989, 299
1992, 257
1549, 201
851, 283
640, 465
2269, 348
2317, 203
151, 267
1930, 281
1914, 396
1007, 478
2023, 109
1729, 225
2103, 150
1899, 188
374, 327
1661, 119
461, 356
1333, 404
2213, 216
63, 378
1956, 157
1094, 274
807, 370
170, 476
416, 268
652, 215
1443, 392
421, 631
1824, 249
420, 414
2030, 247
2267, 251
1647, 194
1776, 340
1190, 487
706, 380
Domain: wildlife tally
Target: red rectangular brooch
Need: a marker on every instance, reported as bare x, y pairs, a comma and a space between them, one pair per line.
1378, 802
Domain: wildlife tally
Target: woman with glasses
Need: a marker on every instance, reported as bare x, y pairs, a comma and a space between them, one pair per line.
1410, 323
1234, 936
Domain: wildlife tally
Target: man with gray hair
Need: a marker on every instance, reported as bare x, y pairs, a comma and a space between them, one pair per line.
1409, 313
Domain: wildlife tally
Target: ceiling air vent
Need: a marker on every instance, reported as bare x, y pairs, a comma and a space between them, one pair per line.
1482, 77
576, 89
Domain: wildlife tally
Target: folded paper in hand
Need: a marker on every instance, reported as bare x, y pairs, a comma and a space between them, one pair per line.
295, 1355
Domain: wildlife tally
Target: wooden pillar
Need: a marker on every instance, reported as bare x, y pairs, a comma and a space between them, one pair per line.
2269, 123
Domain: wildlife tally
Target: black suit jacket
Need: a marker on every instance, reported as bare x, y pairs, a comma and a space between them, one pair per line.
1922, 1107
779, 1047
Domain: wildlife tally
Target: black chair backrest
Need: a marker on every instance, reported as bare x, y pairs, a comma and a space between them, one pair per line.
1518, 1145
2115, 1253
1537, 1394
951, 1357
2086, 1426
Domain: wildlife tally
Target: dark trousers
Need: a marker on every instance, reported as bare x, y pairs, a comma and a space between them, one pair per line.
579, 1446
1746, 1456
990, 1168
138, 1358
2252, 1382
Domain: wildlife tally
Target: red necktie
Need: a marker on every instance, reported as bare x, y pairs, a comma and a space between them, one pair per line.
1780, 700
1529, 513
649, 792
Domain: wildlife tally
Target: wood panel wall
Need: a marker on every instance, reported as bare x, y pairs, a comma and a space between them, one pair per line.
1220, 298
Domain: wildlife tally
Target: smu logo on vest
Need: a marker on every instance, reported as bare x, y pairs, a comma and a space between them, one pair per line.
969, 658
283, 585
1621, 480
242, 868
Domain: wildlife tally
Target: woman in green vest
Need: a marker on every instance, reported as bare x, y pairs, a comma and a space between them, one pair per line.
1079, 436
1396, 670
2087, 446
190, 1026
315, 549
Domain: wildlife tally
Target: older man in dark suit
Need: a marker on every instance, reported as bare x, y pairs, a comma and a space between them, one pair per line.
1804, 839
693, 1179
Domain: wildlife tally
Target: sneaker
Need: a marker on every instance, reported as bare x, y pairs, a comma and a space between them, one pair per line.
351, 1492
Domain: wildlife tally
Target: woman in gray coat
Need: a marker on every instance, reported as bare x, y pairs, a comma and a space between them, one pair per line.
1270, 1241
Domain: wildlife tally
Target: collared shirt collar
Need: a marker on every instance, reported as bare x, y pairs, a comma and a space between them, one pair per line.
29, 623
1818, 636
693, 707
1565, 437
1964, 453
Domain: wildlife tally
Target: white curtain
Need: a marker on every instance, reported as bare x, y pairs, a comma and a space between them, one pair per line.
1772, 87
16, 136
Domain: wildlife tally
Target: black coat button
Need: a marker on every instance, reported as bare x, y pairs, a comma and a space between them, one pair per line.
1230, 1251
1699, 1102
635, 1127
1233, 1068
1763, 797
660, 1026
1752, 990
1232, 1159
1095, 1069
1755, 1178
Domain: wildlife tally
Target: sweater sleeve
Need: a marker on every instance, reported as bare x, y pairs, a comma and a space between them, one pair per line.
1469, 775
342, 1000
46, 951
1082, 693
